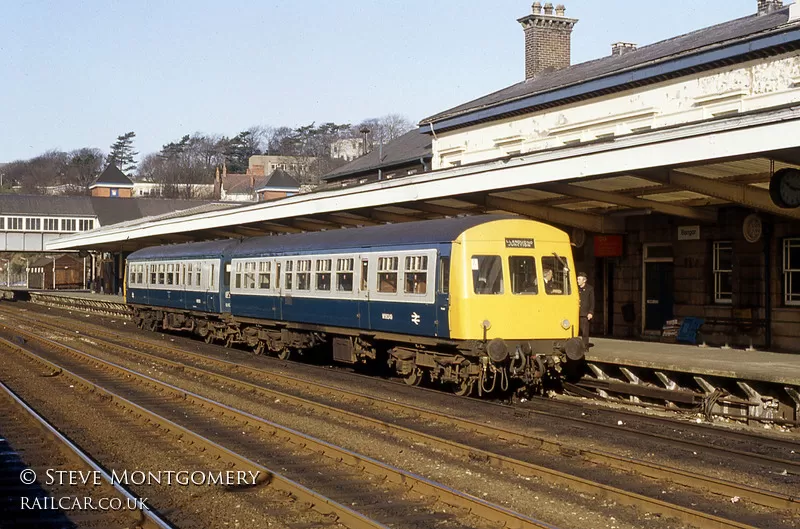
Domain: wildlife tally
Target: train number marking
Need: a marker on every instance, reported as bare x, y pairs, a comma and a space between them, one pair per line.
387, 316
415, 319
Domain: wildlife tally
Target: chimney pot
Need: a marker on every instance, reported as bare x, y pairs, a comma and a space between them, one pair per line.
537, 8
548, 9
621, 48
768, 6
560, 10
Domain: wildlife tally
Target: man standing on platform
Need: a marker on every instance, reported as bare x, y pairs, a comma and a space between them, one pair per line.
587, 307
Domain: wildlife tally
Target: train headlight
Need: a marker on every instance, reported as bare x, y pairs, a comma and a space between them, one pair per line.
566, 324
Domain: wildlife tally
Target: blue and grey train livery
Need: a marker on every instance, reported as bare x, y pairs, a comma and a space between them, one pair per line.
454, 300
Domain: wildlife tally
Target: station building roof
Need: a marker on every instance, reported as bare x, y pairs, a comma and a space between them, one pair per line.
112, 177
409, 148
106, 210
739, 40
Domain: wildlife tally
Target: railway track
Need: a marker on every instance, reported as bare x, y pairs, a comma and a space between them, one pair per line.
682, 434
515, 442
386, 495
30, 446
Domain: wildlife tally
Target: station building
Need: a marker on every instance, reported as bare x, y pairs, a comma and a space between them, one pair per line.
658, 161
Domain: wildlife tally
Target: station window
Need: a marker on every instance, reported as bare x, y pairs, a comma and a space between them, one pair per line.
287, 273
387, 274
2, 223
523, 275
344, 275
323, 273
487, 274
68, 225
33, 224
723, 271
304, 274
416, 274
85, 224
264, 274
15, 223
556, 268
51, 224
791, 271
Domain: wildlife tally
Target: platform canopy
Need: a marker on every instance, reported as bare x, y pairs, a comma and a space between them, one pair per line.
687, 172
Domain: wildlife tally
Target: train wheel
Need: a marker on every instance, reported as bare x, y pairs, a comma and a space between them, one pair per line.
154, 325
414, 378
229, 341
285, 353
464, 388
258, 349
210, 337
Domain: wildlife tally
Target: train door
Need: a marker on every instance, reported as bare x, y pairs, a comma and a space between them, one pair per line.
225, 287
363, 292
212, 289
443, 297
276, 303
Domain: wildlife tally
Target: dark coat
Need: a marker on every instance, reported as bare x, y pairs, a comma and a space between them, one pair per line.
587, 300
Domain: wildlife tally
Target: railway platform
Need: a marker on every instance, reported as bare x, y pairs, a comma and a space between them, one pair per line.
747, 384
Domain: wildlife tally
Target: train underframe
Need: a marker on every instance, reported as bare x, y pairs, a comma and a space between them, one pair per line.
471, 367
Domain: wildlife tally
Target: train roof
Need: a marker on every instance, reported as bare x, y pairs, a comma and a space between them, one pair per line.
426, 232
189, 250
420, 233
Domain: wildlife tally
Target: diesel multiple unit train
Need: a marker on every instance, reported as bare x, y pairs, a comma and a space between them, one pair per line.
481, 303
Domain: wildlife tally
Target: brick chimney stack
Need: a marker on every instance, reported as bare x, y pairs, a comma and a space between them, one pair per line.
768, 6
621, 48
548, 36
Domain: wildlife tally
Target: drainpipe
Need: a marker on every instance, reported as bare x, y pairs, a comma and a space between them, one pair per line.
768, 285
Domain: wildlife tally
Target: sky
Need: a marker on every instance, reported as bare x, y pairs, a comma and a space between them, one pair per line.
80, 73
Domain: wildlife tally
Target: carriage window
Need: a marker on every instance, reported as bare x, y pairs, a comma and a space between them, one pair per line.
264, 273
556, 268
323, 269
304, 274
487, 274
387, 274
238, 276
211, 278
344, 275
250, 275
152, 274
444, 275
288, 275
364, 275
170, 274
416, 274
161, 269
197, 275
523, 275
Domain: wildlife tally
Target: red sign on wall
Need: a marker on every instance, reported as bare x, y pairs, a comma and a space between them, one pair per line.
608, 245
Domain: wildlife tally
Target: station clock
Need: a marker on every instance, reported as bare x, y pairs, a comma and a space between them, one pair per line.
784, 188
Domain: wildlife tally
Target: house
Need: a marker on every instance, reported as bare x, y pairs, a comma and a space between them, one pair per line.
112, 183
279, 184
